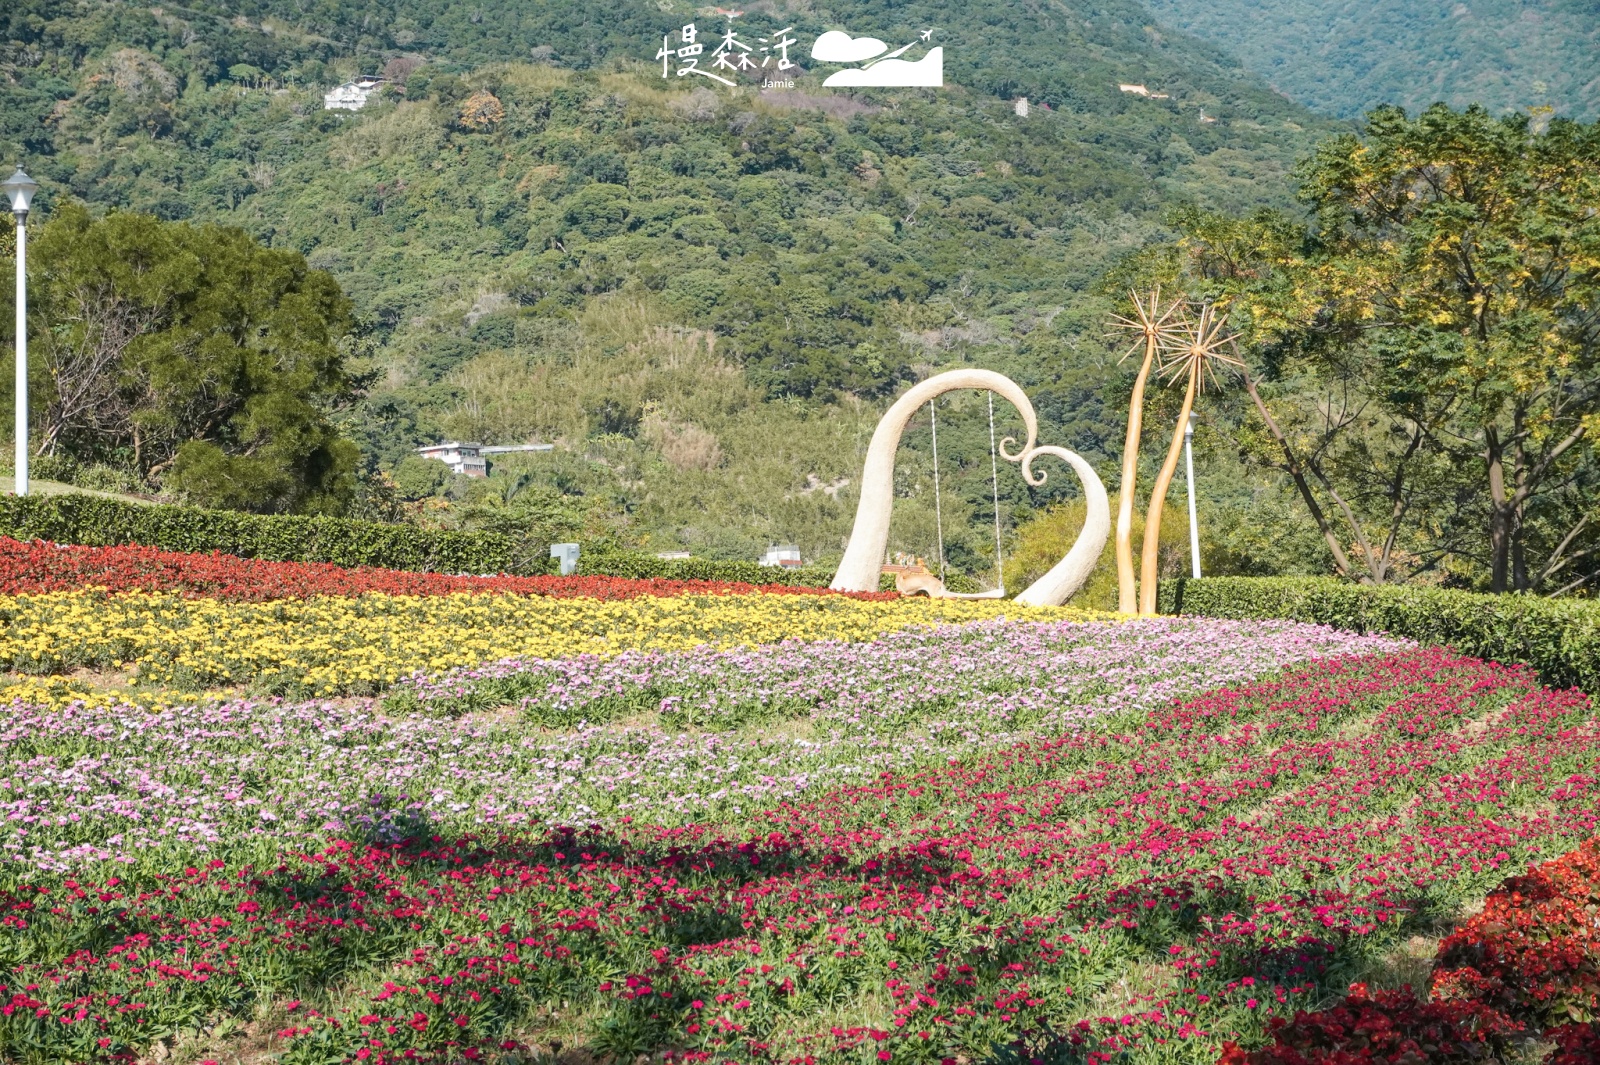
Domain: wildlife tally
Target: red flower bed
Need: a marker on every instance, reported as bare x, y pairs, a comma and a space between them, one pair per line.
34, 567
1534, 951
1384, 1028
1234, 844
1529, 962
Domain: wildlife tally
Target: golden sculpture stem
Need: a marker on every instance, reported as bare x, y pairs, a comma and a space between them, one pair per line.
1126, 597
1158, 498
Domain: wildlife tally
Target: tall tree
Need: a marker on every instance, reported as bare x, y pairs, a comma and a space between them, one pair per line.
1445, 306
195, 356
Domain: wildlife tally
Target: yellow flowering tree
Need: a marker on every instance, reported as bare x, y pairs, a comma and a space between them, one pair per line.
1428, 350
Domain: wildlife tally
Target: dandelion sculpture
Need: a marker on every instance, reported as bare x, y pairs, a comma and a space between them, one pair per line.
1155, 330
1196, 359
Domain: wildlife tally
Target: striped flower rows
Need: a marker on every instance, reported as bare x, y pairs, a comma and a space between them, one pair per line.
1145, 891
445, 820
83, 784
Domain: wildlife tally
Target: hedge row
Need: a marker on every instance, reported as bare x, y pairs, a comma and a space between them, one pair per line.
1558, 637
700, 569
97, 521
101, 522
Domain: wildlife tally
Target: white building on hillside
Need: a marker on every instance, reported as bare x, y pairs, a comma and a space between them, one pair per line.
781, 555
471, 458
352, 95
461, 457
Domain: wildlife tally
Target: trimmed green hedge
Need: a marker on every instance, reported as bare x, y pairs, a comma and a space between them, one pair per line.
99, 521
629, 564
1558, 637
102, 522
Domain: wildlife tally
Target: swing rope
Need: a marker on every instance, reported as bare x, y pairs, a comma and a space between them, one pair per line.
994, 488
938, 514
994, 492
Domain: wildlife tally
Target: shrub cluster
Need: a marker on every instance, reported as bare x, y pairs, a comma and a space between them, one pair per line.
1558, 637
101, 522
640, 566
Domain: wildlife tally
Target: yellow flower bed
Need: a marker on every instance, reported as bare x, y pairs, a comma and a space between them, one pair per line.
363, 644
59, 691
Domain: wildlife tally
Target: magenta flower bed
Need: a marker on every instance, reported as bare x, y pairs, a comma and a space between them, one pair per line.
1151, 890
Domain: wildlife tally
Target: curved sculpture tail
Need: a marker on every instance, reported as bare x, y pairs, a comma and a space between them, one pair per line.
1064, 579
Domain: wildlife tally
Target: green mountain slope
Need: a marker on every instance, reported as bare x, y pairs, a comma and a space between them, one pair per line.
1346, 56
704, 294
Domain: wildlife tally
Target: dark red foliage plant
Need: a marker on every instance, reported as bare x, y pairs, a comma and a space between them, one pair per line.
1528, 964
1383, 1028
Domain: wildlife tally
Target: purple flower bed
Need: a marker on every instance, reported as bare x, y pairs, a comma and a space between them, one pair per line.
672, 738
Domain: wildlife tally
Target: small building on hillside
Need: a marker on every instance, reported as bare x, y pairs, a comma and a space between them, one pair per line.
461, 457
352, 95
472, 458
787, 555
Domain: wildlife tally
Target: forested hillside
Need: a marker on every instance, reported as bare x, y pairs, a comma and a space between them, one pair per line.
703, 294
1344, 57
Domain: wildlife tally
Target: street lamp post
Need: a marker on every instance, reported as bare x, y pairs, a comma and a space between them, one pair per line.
19, 189
1194, 529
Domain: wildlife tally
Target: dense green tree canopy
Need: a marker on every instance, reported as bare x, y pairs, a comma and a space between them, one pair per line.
702, 294
1344, 57
1438, 331
193, 355
835, 245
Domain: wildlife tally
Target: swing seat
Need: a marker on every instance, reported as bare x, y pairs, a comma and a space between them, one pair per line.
927, 584
992, 593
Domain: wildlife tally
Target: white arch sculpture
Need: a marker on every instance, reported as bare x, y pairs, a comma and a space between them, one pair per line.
863, 556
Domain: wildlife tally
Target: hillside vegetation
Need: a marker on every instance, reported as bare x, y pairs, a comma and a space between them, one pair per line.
703, 294
1348, 56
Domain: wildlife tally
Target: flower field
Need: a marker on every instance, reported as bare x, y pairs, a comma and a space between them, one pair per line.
731, 826
193, 776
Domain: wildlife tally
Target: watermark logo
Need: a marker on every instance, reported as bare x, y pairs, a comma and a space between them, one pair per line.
683, 53
877, 69
732, 54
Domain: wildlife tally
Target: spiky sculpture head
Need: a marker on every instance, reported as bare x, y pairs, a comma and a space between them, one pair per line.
1150, 321
1197, 350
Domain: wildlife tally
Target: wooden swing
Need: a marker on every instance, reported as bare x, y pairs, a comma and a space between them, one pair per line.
927, 586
